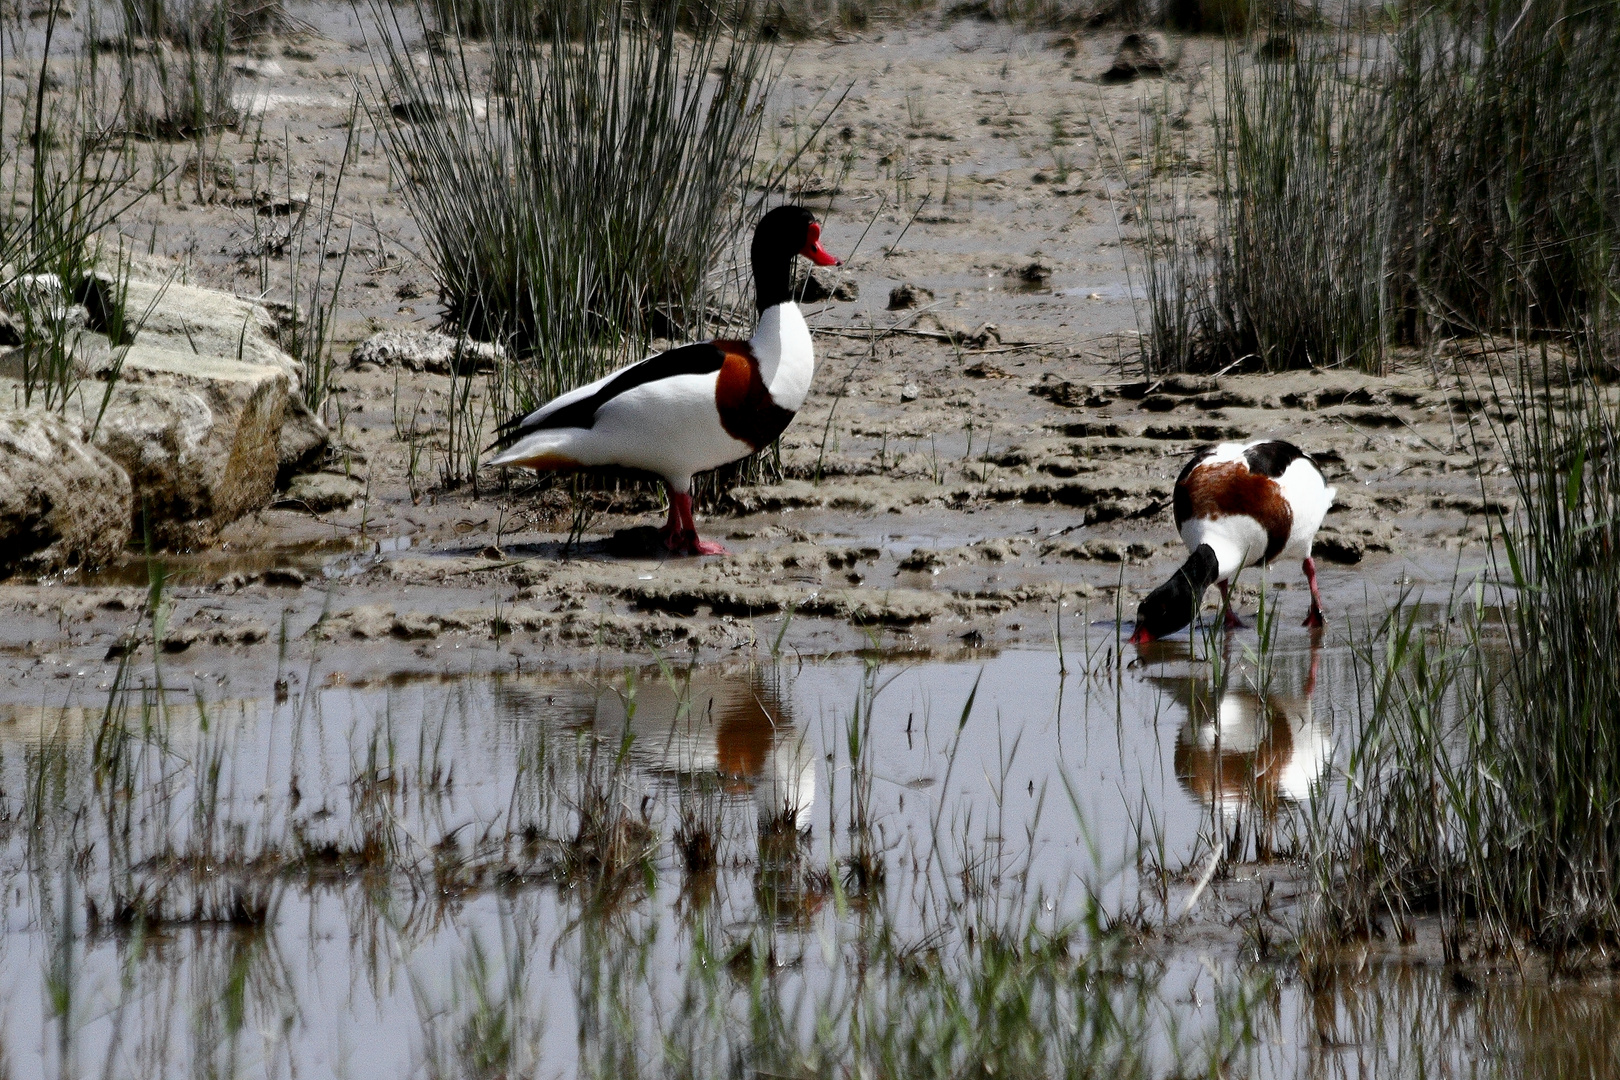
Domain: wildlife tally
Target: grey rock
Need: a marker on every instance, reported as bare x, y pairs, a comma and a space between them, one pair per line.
1276, 46
62, 503
323, 491
956, 333
187, 320
303, 437
207, 322
1098, 549
415, 626
256, 68
199, 437
425, 351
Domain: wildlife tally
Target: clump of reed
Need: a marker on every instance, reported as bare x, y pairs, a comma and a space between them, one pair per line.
66, 184
1485, 783
498, 145
175, 64
1443, 177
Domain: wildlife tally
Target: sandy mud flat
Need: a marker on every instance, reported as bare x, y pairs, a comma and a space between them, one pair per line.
948, 482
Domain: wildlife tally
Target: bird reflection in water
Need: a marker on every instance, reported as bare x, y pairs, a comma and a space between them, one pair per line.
1245, 754
728, 741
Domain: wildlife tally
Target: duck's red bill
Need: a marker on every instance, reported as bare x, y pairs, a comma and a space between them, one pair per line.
813, 250
1141, 637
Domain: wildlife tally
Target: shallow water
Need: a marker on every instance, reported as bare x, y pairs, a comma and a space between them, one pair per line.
332, 883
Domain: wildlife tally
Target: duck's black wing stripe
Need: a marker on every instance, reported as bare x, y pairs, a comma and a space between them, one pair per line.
1271, 458
702, 358
1181, 498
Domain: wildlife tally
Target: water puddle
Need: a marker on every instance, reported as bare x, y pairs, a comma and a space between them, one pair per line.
682, 867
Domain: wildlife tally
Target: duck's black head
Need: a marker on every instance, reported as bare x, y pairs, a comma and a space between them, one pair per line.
780, 235
1174, 604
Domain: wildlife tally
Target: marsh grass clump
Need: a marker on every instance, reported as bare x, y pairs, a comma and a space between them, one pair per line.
1485, 784
700, 826
612, 846
174, 64
66, 186
1452, 175
498, 145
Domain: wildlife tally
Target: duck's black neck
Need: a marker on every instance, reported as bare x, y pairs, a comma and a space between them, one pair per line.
1175, 603
773, 280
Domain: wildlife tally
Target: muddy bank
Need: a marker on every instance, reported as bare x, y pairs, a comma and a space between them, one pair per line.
963, 471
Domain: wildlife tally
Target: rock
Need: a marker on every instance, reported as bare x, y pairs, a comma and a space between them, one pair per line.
207, 322
187, 320
419, 111
62, 503
909, 392
199, 437
1147, 53
180, 638
1348, 546
425, 351
302, 438
255, 68
905, 296
924, 560
204, 414
246, 632
323, 491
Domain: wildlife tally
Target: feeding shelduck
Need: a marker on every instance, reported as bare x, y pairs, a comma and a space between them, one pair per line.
693, 408
1238, 505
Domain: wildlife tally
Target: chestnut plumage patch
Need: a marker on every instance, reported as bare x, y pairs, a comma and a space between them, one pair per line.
1211, 491
747, 411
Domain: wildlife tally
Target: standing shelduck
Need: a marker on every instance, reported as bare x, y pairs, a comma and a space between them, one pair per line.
1238, 505
693, 408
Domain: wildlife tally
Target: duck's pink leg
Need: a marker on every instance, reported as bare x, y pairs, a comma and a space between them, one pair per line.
1232, 621
680, 535
671, 532
1314, 618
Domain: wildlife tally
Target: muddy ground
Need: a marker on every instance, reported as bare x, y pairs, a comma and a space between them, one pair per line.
939, 494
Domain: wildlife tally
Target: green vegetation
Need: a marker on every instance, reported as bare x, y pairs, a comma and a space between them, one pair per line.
573, 200
1488, 791
1451, 176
